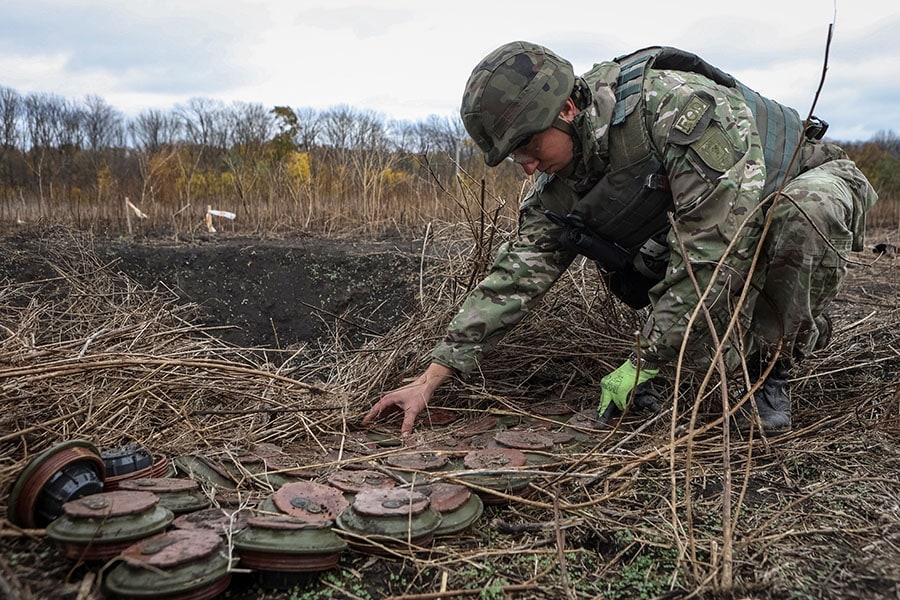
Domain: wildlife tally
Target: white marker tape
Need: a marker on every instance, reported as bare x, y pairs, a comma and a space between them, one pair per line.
140, 214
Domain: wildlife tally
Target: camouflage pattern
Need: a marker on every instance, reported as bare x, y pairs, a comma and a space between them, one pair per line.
523, 270
815, 226
516, 91
716, 177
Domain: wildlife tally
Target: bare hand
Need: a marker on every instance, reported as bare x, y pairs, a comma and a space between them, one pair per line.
411, 398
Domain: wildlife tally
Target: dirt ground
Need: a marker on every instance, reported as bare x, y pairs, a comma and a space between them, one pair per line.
255, 293
819, 509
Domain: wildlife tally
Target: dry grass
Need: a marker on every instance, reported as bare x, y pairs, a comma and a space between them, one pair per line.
635, 512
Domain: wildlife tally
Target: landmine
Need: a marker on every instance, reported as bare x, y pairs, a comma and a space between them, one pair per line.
175, 565
386, 520
383, 500
178, 495
99, 526
223, 521
62, 473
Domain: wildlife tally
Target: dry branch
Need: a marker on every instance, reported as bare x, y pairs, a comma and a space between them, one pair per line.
87, 353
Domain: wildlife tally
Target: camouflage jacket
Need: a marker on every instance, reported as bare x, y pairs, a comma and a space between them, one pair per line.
713, 209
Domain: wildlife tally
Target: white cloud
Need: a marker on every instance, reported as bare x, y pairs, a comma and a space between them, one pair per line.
31, 72
408, 59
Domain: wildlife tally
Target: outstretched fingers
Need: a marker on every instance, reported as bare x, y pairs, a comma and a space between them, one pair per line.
376, 411
410, 414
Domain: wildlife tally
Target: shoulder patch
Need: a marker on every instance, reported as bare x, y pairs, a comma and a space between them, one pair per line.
692, 114
715, 150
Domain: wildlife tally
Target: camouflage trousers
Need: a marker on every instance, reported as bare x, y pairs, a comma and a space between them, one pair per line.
816, 223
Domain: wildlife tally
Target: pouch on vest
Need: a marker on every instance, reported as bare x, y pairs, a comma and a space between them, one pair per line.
628, 206
630, 287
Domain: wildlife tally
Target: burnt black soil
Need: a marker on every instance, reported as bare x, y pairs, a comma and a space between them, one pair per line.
258, 293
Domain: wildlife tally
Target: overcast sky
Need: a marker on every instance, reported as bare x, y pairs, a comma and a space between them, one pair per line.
407, 59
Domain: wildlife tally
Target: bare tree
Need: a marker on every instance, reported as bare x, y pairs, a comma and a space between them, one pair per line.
250, 124
308, 129
154, 137
335, 126
153, 129
251, 127
889, 142
205, 129
103, 125
205, 122
44, 126
440, 134
71, 133
11, 108
104, 134
372, 153
405, 135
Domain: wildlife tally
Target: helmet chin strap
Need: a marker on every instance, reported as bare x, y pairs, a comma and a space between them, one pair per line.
569, 129
564, 126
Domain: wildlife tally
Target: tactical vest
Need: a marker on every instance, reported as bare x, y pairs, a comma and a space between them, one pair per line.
630, 203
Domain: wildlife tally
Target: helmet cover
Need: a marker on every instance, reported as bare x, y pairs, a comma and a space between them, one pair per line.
514, 92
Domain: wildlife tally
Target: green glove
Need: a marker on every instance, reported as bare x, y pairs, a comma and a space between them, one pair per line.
615, 387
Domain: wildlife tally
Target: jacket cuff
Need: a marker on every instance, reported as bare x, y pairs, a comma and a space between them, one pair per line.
451, 357
646, 362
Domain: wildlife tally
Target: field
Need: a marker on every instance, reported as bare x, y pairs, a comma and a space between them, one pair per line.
221, 344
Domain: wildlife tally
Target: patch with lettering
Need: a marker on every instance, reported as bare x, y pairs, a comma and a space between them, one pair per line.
691, 114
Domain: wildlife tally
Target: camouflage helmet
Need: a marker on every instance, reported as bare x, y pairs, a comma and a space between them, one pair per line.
516, 91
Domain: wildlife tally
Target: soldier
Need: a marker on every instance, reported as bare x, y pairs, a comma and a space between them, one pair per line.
662, 169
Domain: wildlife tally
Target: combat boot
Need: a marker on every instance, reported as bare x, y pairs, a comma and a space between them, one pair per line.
773, 402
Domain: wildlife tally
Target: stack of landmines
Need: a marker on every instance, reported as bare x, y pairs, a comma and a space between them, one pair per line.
264, 511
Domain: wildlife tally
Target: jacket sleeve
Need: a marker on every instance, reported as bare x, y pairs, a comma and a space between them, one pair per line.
712, 154
524, 269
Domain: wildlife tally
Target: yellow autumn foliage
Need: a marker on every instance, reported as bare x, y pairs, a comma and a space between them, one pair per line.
297, 166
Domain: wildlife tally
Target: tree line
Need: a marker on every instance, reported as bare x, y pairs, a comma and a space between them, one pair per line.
277, 169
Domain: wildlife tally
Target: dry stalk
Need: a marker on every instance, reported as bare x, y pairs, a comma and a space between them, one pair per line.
152, 377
